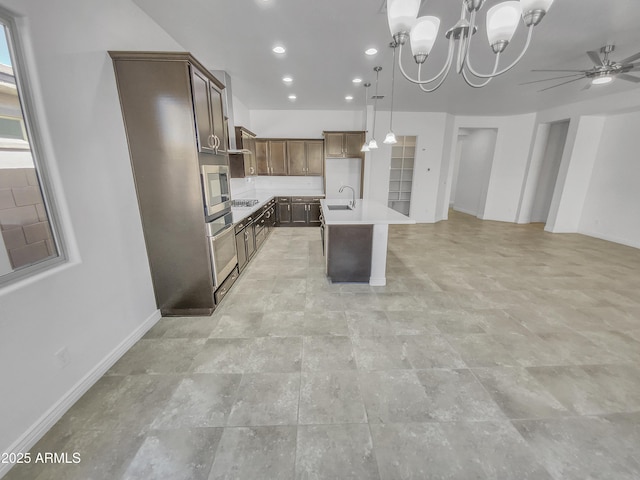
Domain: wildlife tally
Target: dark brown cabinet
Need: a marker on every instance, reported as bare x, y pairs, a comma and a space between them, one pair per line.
278, 157
245, 242
315, 157
305, 157
314, 214
271, 157
299, 211
241, 250
297, 150
244, 164
161, 96
344, 144
262, 163
209, 116
283, 211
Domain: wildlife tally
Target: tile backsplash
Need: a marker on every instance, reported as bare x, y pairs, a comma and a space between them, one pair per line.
244, 186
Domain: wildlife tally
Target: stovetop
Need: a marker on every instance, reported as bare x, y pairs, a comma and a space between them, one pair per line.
243, 203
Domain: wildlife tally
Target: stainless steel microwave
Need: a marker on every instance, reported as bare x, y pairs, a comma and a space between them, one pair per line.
216, 189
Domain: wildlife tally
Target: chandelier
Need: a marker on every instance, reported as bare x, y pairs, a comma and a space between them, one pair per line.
501, 21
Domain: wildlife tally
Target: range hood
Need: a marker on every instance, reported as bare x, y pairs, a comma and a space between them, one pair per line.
224, 77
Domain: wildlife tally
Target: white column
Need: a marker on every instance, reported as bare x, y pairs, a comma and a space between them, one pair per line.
574, 177
379, 255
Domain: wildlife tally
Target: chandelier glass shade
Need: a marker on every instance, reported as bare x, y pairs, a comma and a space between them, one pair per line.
502, 21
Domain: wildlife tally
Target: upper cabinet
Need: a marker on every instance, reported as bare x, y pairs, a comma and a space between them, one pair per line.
209, 115
277, 157
244, 164
271, 157
343, 144
315, 157
305, 157
293, 157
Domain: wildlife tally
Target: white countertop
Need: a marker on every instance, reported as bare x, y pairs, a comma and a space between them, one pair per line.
367, 212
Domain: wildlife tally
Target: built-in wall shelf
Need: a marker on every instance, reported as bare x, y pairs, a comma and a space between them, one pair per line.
401, 174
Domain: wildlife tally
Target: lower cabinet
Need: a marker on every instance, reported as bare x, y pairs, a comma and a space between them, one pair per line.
283, 215
245, 242
314, 214
305, 211
299, 213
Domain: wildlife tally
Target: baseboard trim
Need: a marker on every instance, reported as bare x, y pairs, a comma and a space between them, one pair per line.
609, 238
464, 210
55, 413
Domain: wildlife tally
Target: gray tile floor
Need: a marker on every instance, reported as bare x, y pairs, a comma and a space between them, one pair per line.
495, 351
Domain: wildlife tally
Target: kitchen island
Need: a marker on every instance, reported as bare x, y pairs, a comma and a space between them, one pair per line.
355, 240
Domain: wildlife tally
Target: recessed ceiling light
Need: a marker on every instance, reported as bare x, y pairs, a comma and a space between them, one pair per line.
371, 51
287, 79
279, 49
357, 80
292, 97
348, 98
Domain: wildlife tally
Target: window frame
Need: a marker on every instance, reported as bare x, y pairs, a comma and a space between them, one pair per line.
31, 124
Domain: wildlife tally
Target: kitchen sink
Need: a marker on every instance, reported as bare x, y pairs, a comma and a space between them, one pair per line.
339, 207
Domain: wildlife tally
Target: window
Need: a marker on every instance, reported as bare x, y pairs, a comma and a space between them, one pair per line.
29, 240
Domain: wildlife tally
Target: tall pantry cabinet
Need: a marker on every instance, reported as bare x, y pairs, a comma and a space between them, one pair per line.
174, 122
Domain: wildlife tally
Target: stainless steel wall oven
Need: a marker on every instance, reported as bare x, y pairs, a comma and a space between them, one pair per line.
222, 245
216, 190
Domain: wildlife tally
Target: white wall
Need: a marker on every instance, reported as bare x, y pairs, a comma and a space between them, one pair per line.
611, 207
474, 170
549, 171
456, 168
303, 123
101, 300
241, 114
576, 167
512, 152
429, 128
447, 166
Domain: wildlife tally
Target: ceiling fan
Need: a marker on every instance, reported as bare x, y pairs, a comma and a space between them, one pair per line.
603, 71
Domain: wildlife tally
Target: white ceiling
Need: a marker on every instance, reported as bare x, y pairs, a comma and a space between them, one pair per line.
325, 43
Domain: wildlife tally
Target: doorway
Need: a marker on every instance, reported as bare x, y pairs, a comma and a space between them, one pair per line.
472, 169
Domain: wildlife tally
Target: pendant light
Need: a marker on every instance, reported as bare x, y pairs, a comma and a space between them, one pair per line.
390, 139
373, 144
365, 145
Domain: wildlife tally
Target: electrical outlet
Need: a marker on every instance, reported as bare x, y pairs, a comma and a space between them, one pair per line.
62, 356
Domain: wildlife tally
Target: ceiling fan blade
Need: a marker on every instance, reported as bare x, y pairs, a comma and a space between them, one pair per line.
628, 78
595, 58
559, 84
630, 59
554, 78
583, 71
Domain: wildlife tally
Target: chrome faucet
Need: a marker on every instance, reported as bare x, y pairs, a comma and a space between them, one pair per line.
352, 204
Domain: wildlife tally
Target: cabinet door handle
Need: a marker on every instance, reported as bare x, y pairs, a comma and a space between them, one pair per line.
251, 170
289, 207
